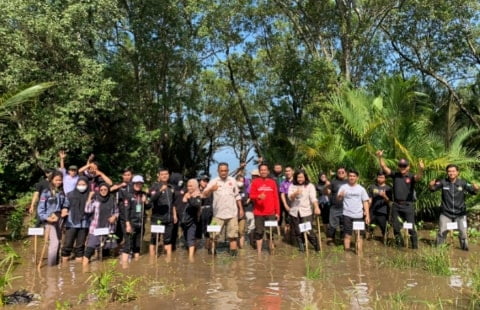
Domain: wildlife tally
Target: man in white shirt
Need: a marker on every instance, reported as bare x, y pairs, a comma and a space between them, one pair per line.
355, 208
227, 205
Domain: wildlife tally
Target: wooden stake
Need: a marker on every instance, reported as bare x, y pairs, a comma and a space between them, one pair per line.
319, 233
270, 246
407, 235
213, 245
35, 249
156, 247
306, 242
45, 243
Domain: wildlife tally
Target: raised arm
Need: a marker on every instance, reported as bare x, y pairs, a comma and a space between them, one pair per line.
62, 156
382, 163
419, 174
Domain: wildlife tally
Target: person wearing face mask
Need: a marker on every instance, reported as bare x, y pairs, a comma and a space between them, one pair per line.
133, 213
105, 214
53, 206
77, 222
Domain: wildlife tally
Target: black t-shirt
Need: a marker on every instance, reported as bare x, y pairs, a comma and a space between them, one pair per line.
335, 186
94, 181
379, 205
403, 186
41, 186
162, 202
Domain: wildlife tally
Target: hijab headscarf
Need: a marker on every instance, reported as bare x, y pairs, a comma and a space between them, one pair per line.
106, 206
77, 202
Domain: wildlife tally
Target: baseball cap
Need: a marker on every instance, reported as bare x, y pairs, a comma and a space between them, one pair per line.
137, 179
403, 162
72, 167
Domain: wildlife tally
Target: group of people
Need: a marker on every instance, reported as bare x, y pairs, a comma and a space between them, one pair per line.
74, 203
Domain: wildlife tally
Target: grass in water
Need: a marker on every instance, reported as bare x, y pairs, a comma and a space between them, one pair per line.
433, 260
110, 285
314, 271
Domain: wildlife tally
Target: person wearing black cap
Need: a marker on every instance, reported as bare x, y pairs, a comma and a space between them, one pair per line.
380, 196
453, 204
403, 195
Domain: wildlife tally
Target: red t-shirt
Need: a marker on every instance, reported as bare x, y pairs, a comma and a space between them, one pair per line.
270, 205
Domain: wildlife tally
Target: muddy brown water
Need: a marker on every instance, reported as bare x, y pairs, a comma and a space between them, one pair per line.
276, 281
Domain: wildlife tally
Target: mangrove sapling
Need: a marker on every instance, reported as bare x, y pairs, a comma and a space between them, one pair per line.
111, 285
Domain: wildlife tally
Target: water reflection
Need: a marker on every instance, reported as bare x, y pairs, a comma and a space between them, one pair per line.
247, 282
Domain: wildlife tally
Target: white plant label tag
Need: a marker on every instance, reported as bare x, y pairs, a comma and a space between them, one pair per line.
101, 231
358, 225
158, 229
407, 225
214, 228
305, 226
452, 226
34, 231
271, 223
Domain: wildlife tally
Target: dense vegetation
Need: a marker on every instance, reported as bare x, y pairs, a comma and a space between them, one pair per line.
317, 83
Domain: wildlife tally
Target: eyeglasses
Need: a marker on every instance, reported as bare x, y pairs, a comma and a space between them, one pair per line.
402, 166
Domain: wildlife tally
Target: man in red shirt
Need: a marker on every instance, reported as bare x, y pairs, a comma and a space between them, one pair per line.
266, 206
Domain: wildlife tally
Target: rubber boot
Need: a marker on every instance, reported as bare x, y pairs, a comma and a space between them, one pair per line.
464, 244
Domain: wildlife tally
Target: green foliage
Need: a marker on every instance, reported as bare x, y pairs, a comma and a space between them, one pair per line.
366, 121
314, 271
15, 223
110, 285
435, 261
7, 265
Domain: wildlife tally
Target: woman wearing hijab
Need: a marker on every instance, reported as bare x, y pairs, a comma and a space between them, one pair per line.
51, 208
189, 213
105, 213
77, 221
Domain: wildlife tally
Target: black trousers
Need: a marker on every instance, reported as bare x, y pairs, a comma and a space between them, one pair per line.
74, 241
406, 212
381, 220
311, 236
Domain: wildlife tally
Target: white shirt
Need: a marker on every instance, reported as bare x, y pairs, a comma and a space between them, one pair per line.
353, 199
225, 197
302, 203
